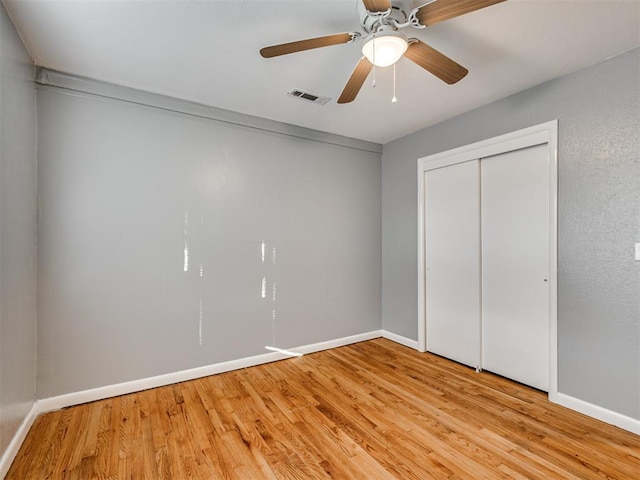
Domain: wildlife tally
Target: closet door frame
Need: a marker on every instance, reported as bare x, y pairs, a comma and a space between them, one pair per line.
542, 134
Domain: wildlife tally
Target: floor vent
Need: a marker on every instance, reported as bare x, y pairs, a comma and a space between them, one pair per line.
311, 97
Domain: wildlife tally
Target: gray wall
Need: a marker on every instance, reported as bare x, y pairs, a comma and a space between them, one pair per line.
17, 232
124, 187
598, 221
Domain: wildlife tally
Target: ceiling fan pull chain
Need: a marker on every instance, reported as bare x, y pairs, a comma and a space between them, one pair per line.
394, 99
373, 83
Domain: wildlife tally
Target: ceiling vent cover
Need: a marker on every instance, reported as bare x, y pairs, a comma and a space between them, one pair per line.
311, 97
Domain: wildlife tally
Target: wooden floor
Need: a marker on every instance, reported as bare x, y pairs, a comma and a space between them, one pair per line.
373, 410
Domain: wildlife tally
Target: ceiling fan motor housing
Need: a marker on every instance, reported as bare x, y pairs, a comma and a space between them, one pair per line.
397, 14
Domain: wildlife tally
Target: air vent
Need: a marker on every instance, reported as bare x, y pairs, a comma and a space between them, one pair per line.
311, 97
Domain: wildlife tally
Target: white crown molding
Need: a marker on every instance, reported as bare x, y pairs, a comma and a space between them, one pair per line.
86, 86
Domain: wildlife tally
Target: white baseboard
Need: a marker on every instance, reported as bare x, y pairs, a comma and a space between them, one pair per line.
76, 398
16, 442
394, 337
622, 421
626, 423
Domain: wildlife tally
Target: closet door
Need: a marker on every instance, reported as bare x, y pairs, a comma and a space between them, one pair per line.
452, 261
515, 265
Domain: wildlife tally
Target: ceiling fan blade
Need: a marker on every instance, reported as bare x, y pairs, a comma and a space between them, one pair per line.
435, 62
356, 80
441, 10
375, 6
308, 44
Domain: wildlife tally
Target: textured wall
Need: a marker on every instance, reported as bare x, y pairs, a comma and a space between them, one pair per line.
282, 234
17, 232
598, 221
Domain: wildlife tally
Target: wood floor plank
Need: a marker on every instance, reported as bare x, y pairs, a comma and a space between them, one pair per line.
372, 410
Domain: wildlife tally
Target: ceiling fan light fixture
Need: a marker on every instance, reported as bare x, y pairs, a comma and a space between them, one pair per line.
385, 48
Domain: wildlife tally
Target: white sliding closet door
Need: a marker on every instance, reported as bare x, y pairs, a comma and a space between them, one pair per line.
452, 261
515, 265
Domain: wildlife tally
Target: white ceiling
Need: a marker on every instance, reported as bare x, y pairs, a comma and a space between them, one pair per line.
207, 52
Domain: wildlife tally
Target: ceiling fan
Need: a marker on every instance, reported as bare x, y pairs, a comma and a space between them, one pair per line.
381, 21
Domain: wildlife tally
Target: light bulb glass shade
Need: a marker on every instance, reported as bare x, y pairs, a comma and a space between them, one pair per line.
385, 50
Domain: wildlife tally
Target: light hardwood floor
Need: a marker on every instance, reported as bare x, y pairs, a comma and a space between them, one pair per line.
372, 410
